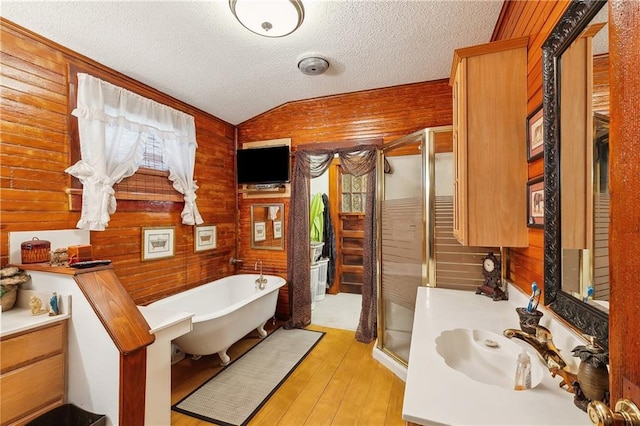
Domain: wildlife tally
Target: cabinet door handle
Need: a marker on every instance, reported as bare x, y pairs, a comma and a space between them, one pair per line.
626, 413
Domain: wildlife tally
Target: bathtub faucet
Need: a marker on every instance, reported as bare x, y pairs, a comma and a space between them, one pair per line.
262, 281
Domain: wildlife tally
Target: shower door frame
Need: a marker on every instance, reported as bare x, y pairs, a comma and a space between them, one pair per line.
427, 149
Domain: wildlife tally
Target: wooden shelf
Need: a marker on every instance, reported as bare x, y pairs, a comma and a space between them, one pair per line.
256, 191
66, 270
277, 192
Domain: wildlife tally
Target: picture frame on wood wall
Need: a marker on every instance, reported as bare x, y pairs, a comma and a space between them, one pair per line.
158, 243
259, 231
535, 203
204, 238
535, 134
277, 229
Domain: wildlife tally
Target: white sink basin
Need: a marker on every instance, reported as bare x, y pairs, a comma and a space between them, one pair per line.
484, 356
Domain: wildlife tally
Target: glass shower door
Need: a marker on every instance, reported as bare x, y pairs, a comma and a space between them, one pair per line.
405, 241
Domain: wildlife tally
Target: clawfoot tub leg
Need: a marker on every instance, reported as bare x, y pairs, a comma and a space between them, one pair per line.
224, 357
261, 330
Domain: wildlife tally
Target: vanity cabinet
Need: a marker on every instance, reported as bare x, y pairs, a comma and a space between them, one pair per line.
33, 367
489, 85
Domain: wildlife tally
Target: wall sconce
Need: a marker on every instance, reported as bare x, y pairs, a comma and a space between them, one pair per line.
268, 18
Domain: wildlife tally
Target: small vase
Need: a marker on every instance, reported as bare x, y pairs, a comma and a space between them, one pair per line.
529, 320
594, 381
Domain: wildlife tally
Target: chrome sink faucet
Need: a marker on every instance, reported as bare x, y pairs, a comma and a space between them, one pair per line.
543, 344
262, 281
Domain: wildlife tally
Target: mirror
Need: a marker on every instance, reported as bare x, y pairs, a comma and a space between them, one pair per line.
575, 169
267, 226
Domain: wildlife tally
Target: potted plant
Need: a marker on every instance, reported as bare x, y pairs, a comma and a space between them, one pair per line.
10, 278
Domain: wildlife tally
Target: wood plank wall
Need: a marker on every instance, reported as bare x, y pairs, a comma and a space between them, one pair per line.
35, 151
386, 114
535, 19
624, 321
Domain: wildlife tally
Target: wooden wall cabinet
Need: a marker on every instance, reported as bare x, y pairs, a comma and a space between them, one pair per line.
33, 366
489, 84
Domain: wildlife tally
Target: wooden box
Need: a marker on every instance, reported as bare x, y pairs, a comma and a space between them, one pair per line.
79, 253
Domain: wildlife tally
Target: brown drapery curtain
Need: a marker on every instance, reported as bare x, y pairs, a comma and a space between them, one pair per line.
311, 163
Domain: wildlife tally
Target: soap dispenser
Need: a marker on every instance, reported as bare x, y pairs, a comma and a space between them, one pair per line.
593, 374
523, 372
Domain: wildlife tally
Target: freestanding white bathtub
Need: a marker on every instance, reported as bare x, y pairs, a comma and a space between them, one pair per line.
224, 311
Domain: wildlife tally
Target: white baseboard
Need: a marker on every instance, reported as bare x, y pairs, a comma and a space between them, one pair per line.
390, 363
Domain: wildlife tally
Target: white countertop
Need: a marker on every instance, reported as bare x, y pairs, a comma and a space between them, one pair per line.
160, 319
437, 394
17, 320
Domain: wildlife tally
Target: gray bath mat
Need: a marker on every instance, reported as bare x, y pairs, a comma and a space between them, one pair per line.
235, 394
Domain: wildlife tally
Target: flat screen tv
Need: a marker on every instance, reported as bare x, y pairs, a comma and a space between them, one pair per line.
263, 166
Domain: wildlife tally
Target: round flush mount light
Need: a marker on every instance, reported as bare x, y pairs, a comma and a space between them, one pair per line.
268, 18
313, 65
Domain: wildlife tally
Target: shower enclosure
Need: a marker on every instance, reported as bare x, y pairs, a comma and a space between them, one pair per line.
411, 168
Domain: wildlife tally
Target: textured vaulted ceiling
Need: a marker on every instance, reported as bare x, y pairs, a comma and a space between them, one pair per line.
197, 52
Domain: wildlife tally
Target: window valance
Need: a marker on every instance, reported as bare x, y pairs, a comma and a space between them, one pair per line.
113, 124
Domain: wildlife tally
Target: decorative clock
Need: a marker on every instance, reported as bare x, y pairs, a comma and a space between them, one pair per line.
492, 273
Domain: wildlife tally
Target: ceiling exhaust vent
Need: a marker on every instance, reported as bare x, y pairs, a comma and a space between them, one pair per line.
313, 65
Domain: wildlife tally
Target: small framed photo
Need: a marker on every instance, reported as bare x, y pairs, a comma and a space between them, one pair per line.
535, 135
535, 203
277, 229
158, 243
259, 231
204, 238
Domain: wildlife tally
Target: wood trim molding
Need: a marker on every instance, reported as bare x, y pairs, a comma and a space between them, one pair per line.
334, 208
128, 202
482, 49
504, 12
340, 144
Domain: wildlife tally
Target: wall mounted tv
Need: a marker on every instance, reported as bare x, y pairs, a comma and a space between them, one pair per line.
263, 166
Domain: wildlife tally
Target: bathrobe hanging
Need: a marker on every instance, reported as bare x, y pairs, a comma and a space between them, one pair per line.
329, 248
316, 220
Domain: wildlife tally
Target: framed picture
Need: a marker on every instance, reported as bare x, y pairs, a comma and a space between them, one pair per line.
535, 135
158, 243
277, 229
204, 237
535, 203
259, 231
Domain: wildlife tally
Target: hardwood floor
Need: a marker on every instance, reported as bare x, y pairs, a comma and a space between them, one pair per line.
338, 383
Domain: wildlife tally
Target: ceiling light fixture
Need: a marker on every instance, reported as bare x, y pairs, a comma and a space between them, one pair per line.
268, 18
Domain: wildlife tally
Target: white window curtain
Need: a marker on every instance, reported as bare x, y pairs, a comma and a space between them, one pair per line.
112, 123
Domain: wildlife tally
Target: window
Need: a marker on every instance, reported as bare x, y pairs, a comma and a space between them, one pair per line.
353, 189
151, 181
131, 146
